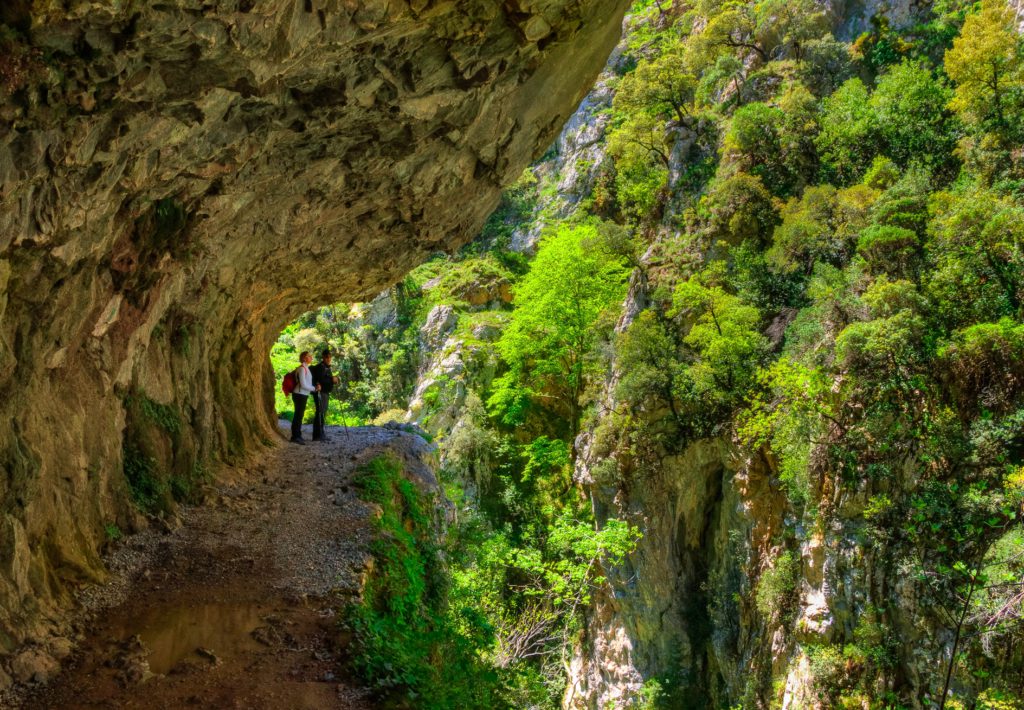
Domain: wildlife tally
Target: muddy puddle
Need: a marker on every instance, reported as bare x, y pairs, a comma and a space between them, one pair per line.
199, 633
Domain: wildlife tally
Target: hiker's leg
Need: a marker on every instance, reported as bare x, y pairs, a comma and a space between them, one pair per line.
299, 400
325, 400
318, 416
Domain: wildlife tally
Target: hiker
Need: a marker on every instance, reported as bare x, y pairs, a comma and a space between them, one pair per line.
324, 380
304, 387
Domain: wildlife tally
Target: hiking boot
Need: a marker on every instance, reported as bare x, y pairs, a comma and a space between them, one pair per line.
298, 441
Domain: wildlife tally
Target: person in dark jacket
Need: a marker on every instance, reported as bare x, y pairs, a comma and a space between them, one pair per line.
324, 380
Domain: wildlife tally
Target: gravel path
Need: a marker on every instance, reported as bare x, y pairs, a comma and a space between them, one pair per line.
236, 607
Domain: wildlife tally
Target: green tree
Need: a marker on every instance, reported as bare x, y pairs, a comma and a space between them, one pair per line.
985, 65
820, 226
775, 143
725, 76
889, 250
983, 365
911, 107
724, 337
661, 86
795, 409
755, 145
739, 208
549, 342
849, 137
976, 257
767, 29
638, 146
825, 65
647, 355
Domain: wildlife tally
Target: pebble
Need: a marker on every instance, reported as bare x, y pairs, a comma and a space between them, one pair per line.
60, 648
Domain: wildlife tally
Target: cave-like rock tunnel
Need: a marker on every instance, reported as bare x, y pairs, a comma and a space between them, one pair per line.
179, 179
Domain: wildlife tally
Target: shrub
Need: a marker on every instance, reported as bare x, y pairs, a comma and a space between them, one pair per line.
888, 250
740, 208
910, 105
148, 489
984, 364
775, 597
827, 668
848, 140
410, 641
755, 144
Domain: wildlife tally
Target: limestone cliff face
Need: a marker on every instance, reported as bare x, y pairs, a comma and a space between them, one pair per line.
678, 611
181, 179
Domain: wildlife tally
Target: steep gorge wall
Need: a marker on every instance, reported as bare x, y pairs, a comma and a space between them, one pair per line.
181, 179
681, 613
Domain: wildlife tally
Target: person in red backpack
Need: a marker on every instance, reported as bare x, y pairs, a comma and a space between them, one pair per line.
303, 388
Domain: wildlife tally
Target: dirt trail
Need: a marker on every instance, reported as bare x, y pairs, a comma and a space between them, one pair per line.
236, 608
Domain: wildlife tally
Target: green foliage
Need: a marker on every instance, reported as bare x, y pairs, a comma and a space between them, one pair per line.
638, 145
791, 417
724, 337
661, 87
517, 204
739, 208
889, 250
826, 65
410, 640
849, 135
553, 329
882, 45
905, 203
827, 669
763, 141
985, 66
170, 217
887, 347
147, 487
914, 123
767, 28
976, 257
112, 532
776, 589
163, 415
186, 488
647, 356
820, 227
985, 365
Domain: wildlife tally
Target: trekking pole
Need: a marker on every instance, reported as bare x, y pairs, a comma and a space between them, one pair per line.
344, 419
344, 422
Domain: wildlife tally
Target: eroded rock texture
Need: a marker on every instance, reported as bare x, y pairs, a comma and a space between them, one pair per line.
180, 179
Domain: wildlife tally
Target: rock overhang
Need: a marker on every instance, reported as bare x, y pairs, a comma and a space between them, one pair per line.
178, 180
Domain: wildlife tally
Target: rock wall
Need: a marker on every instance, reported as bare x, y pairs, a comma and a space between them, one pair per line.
181, 179
679, 614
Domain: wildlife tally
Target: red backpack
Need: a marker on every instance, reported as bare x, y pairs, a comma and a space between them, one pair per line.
289, 382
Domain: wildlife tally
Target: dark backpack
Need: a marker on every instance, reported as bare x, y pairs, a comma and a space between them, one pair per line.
289, 382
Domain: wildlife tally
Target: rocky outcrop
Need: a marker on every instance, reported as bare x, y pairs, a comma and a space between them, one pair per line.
679, 611
852, 17
181, 179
